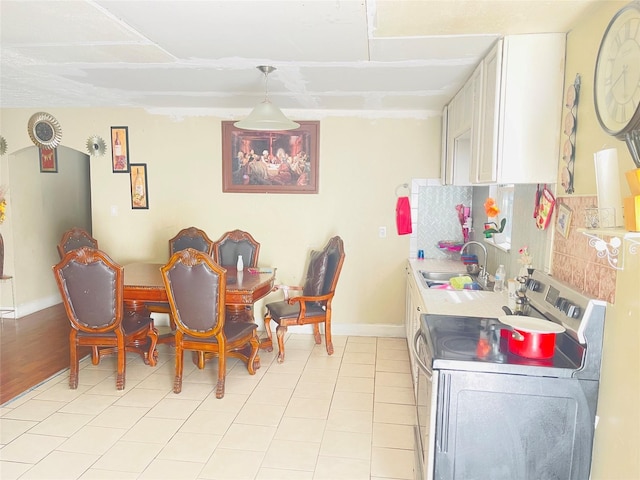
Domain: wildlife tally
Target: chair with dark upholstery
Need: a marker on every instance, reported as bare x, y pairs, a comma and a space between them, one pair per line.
191, 237
92, 290
196, 287
236, 242
75, 238
314, 305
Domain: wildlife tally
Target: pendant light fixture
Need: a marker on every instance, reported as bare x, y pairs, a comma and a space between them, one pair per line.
266, 116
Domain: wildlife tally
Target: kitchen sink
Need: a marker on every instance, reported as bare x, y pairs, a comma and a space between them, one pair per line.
436, 279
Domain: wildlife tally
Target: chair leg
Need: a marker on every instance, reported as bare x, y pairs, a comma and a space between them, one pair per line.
316, 334
95, 355
268, 344
73, 362
222, 369
280, 333
122, 365
253, 362
327, 335
177, 381
201, 359
151, 355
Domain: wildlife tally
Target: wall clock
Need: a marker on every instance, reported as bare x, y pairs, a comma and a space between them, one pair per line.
44, 130
616, 90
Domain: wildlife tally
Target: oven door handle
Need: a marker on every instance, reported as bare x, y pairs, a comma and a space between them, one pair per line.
414, 346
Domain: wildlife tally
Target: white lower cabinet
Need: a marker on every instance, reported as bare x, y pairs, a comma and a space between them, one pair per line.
414, 308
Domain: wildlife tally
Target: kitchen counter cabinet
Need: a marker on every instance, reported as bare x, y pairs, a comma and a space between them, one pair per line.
470, 303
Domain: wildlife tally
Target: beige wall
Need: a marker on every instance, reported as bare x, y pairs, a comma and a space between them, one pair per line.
361, 163
617, 441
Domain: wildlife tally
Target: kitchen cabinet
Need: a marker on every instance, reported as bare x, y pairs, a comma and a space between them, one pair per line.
518, 131
414, 308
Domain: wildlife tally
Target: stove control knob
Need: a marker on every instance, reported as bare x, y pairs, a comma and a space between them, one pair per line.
573, 311
561, 304
533, 285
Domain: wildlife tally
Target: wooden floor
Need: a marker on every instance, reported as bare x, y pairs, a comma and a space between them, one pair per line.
32, 349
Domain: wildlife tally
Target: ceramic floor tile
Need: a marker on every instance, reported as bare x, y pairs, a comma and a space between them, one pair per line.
346, 445
190, 447
355, 384
360, 340
93, 440
173, 407
401, 354
393, 436
301, 429
29, 448
391, 343
267, 395
36, 410
332, 468
118, 416
60, 465
350, 421
307, 408
11, 429
231, 402
281, 474
279, 380
88, 404
107, 387
231, 465
318, 375
389, 379
357, 370
324, 362
396, 366
142, 397
62, 424
153, 430
160, 469
210, 422
360, 347
250, 438
286, 454
392, 462
60, 392
255, 414
394, 413
366, 358
310, 389
99, 474
395, 395
128, 456
13, 470
352, 401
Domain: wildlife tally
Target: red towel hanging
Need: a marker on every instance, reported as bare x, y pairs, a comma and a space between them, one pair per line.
403, 216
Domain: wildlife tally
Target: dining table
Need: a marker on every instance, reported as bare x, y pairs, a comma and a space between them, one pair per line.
143, 284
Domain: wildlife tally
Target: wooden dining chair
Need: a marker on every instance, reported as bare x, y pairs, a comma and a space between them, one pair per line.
75, 238
196, 287
92, 286
191, 237
233, 243
314, 305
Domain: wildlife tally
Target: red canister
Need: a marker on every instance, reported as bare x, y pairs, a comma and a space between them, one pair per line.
538, 336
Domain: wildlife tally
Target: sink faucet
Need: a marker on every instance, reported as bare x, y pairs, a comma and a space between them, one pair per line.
483, 266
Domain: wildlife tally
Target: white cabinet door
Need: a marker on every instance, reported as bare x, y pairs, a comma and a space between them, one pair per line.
519, 132
414, 308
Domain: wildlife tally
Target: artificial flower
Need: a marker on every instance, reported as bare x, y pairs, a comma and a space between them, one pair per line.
491, 208
525, 258
492, 211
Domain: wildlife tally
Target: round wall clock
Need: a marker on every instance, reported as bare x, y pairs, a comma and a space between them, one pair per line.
44, 130
617, 75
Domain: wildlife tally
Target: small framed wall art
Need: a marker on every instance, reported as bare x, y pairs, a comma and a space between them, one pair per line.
139, 188
48, 160
564, 220
120, 149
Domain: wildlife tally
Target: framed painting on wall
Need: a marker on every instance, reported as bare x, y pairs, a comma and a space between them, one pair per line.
48, 160
270, 161
120, 149
139, 187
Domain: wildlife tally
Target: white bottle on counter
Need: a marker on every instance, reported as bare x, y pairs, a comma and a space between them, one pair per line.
240, 264
500, 275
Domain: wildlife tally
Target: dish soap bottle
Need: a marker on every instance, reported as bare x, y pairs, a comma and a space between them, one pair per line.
240, 264
498, 286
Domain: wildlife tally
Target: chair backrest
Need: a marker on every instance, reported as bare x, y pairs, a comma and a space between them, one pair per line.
191, 237
236, 242
324, 268
196, 287
92, 288
75, 238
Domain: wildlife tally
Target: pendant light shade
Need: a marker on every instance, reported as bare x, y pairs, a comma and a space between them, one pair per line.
265, 115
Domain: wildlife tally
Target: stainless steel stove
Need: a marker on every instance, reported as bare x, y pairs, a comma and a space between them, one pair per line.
486, 413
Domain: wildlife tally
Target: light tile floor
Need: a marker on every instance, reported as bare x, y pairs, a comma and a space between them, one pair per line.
345, 416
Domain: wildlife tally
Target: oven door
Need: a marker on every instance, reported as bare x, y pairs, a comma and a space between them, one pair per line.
424, 429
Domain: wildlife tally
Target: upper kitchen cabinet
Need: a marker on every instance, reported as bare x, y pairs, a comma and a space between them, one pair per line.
518, 131
461, 114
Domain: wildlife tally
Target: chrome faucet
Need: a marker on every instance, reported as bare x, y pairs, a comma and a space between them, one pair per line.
483, 266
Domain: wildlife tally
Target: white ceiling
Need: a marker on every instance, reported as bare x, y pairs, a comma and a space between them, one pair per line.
400, 57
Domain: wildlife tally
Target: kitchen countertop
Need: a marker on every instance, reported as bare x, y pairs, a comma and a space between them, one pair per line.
470, 303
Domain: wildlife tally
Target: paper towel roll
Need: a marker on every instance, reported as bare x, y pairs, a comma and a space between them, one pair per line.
608, 185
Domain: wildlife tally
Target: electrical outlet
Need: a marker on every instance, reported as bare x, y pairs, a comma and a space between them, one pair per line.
114, 210
382, 232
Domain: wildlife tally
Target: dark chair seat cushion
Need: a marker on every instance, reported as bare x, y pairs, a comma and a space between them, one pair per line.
282, 310
131, 324
232, 330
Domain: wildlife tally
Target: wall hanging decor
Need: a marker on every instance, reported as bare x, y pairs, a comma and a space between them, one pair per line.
44, 130
96, 145
48, 160
139, 188
270, 161
3, 146
570, 126
120, 149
